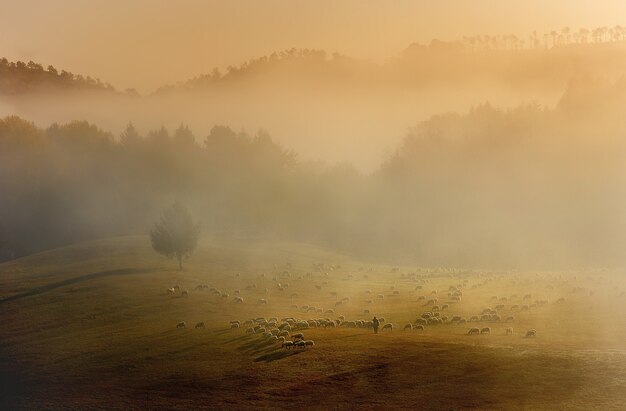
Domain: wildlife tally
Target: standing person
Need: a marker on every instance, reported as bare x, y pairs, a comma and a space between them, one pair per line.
375, 323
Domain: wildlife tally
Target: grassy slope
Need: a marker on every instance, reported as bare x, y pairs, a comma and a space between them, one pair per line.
110, 339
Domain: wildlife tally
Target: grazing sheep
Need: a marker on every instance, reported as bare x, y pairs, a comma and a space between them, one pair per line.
275, 331
283, 333
388, 326
485, 330
531, 333
408, 327
262, 301
473, 331
298, 336
445, 306
287, 345
171, 291
272, 339
238, 300
419, 327
309, 343
509, 331
200, 324
280, 340
250, 330
234, 326
181, 324
299, 344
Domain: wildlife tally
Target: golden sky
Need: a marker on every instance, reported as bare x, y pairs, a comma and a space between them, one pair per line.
147, 43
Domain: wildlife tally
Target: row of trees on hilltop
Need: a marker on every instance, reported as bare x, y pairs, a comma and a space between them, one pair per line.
552, 38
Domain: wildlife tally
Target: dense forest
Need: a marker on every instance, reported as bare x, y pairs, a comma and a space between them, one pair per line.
504, 187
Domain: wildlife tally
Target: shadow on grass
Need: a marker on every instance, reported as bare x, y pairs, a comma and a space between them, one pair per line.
256, 346
238, 339
277, 355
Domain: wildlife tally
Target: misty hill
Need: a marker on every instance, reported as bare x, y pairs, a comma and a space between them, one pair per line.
23, 78
438, 63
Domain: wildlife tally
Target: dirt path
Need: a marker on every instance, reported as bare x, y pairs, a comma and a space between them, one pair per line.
71, 281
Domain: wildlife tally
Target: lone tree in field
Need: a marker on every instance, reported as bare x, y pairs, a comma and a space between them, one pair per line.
176, 234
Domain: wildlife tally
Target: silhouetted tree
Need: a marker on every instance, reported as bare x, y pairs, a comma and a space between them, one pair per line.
176, 234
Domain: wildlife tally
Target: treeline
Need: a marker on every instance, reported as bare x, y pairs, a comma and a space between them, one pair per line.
515, 188
20, 78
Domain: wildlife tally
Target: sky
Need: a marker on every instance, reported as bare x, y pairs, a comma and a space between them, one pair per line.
148, 43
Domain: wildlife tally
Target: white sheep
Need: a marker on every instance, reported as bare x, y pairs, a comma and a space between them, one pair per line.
200, 324
388, 326
181, 324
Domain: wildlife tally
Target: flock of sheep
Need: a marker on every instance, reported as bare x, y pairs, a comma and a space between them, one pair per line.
437, 308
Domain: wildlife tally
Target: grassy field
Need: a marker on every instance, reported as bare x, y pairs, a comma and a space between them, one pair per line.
92, 326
